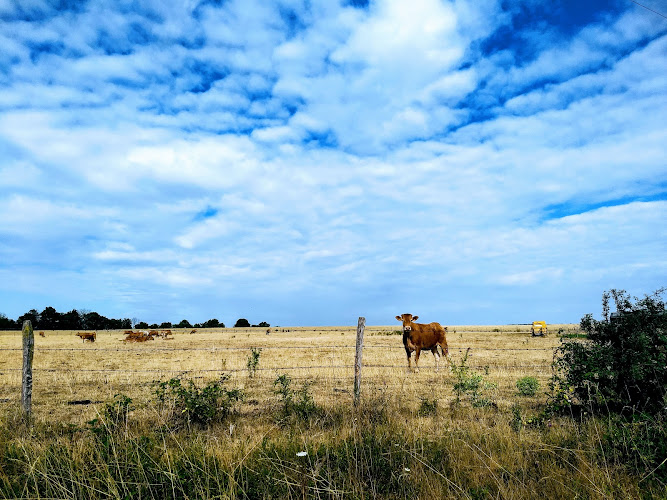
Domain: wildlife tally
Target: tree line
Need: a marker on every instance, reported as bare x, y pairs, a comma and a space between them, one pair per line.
50, 319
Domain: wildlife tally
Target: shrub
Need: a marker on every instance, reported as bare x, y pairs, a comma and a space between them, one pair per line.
253, 360
472, 384
427, 407
637, 442
192, 404
622, 366
528, 386
299, 404
519, 421
516, 423
118, 412
114, 414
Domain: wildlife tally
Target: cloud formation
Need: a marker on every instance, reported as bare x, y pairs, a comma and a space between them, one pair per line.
311, 162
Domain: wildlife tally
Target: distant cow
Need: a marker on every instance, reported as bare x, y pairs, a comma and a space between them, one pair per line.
417, 336
193, 331
90, 336
140, 336
41, 334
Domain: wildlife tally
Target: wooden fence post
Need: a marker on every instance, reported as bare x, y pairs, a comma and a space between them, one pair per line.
28, 352
357, 359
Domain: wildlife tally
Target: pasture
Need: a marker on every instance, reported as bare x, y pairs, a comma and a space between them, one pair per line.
67, 370
407, 438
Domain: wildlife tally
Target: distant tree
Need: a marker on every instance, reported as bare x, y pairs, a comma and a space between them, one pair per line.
6, 323
264, 324
153, 326
95, 321
49, 319
166, 324
71, 320
242, 323
184, 324
142, 325
118, 324
31, 315
212, 323
113, 324
134, 322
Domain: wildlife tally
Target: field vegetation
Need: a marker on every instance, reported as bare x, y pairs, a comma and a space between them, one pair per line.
236, 413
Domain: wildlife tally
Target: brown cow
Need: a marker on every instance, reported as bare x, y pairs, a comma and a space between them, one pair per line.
140, 336
90, 336
41, 334
417, 336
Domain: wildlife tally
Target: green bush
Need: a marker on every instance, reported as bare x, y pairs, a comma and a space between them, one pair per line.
528, 386
253, 360
622, 365
472, 384
637, 442
428, 407
299, 404
192, 404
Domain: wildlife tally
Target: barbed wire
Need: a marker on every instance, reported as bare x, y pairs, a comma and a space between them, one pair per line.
242, 370
213, 349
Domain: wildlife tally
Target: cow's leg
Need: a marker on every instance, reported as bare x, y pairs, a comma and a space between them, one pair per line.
417, 351
409, 354
436, 356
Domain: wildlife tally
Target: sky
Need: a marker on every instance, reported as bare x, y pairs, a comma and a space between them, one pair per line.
307, 162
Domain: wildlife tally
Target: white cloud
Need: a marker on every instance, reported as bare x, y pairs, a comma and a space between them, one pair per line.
354, 159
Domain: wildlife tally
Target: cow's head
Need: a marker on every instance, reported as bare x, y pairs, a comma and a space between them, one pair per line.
407, 319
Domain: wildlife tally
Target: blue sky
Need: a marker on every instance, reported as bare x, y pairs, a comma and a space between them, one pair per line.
310, 162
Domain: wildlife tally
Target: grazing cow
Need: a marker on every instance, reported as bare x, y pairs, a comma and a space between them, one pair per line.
90, 336
41, 334
417, 336
193, 331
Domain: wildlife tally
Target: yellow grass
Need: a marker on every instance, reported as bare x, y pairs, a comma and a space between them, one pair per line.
68, 370
485, 453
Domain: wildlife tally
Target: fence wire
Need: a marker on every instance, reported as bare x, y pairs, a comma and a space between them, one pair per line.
267, 348
245, 370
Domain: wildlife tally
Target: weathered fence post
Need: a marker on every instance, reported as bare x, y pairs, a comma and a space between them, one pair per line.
28, 352
357, 359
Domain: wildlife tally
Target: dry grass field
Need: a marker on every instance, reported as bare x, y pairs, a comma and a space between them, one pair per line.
388, 447
67, 370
